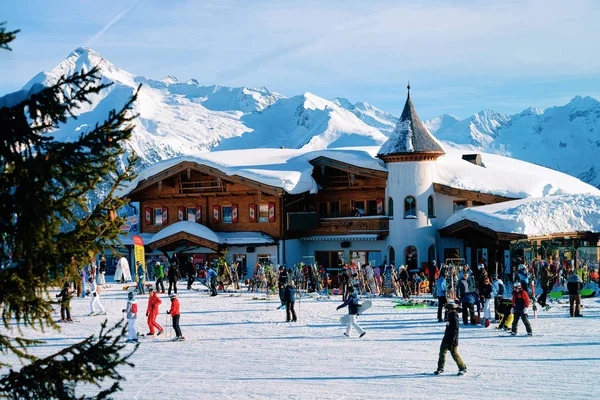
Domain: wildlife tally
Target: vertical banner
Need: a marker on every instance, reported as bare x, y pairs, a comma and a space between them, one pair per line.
199, 214
180, 213
252, 213
234, 213
379, 206
165, 216
138, 255
215, 214
271, 212
148, 215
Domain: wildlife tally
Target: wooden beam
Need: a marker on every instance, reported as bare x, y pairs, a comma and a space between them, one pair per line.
169, 241
471, 195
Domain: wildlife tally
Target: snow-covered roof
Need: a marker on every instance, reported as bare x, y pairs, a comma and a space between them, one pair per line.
192, 228
410, 135
537, 216
505, 176
240, 238
289, 169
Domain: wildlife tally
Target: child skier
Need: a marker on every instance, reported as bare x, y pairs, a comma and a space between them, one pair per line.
152, 312
352, 303
174, 313
131, 311
95, 293
520, 302
65, 306
450, 342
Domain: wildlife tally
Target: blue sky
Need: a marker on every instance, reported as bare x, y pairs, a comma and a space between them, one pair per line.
460, 56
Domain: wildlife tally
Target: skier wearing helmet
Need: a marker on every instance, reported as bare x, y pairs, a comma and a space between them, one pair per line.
520, 302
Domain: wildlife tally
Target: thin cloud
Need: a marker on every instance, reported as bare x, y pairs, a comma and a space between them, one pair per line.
113, 21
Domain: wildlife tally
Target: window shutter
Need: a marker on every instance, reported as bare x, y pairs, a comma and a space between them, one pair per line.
379, 206
234, 213
215, 214
165, 216
180, 213
252, 213
271, 212
199, 214
148, 215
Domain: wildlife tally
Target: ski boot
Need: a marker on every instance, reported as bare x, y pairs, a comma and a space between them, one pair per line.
439, 371
462, 371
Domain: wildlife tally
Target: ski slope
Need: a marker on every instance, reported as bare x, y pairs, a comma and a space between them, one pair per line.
240, 348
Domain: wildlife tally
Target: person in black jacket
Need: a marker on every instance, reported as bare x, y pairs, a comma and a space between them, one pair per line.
450, 342
283, 278
65, 306
173, 275
352, 304
574, 286
190, 270
289, 298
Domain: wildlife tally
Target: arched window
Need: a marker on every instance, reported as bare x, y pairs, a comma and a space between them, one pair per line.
390, 207
392, 255
410, 207
430, 207
411, 258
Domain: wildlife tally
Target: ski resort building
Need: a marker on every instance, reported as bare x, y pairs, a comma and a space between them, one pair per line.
408, 202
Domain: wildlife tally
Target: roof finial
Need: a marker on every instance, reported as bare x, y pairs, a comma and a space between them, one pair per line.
408, 87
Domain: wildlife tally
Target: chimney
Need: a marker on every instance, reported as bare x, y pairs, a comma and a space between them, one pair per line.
473, 158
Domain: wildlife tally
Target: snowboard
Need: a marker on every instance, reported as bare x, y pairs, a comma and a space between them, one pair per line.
585, 293
361, 309
408, 306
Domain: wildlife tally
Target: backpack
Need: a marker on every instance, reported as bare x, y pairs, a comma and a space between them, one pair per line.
134, 308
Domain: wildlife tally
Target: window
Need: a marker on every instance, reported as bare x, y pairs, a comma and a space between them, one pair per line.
158, 217
334, 209
392, 255
411, 258
322, 210
263, 213
410, 207
371, 207
459, 205
390, 207
430, 207
191, 214
226, 215
358, 208
358, 257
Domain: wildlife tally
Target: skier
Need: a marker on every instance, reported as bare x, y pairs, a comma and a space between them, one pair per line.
190, 271
131, 310
140, 277
289, 297
432, 273
545, 280
174, 313
485, 294
345, 281
283, 278
95, 293
81, 290
160, 275
469, 301
520, 302
497, 293
441, 293
523, 276
574, 286
102, 271
211, 281
352, 303
404, 282
450, 342
65, 306
173, 275
152, 312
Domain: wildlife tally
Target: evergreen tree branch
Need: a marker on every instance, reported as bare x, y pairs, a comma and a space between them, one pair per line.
6, 37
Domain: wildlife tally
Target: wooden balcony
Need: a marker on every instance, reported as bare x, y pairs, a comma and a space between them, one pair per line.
200, 186
353, 225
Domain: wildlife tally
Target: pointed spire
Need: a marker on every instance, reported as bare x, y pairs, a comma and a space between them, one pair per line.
410, 137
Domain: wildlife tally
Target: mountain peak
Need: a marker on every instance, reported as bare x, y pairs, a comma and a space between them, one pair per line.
586, 102
169, 80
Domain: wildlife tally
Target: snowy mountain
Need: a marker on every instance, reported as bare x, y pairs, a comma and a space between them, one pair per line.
185, 118
565, 138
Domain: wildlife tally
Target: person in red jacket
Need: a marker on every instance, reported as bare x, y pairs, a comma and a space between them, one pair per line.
520, 301
152, 312
174, 312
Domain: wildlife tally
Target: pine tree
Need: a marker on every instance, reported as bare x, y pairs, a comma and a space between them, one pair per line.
47, 229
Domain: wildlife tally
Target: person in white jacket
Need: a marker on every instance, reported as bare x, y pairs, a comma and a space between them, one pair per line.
95, 298
131, 311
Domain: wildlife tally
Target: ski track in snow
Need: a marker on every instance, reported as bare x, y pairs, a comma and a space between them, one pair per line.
240, 348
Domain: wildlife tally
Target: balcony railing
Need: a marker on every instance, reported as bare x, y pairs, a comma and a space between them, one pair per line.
350, 225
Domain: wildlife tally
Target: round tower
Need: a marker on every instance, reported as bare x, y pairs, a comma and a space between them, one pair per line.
410, 155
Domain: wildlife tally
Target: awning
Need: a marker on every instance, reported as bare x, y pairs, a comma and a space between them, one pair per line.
184, 233
245, 238
343, 238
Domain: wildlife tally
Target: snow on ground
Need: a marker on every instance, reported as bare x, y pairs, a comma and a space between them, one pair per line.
240, 348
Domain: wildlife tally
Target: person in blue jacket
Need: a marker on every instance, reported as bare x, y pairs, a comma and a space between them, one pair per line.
469, 301
211, 281
289, 299
441, 293
352, 304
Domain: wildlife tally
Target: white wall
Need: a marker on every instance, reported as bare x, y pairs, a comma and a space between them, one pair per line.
297, 249
411, 179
